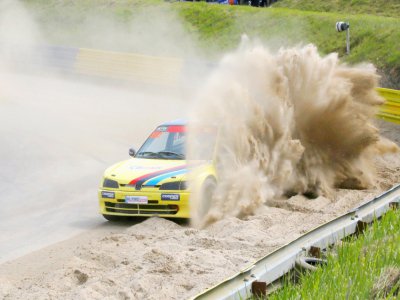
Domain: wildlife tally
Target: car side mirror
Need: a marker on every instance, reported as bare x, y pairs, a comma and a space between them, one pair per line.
132, 152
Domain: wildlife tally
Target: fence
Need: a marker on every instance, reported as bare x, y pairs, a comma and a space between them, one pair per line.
125, 67
131, 67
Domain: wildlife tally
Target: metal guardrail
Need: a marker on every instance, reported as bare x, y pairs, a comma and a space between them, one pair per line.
281, 261
390, 110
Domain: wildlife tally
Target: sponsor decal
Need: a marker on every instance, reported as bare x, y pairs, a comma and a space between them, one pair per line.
109, 195
176, 128
171, 197
172, 128
155, 134
162, 128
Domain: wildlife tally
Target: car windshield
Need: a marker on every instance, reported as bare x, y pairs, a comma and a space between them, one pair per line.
166, 142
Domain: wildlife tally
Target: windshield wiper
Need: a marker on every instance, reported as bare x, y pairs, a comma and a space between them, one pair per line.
170, 153
147, 153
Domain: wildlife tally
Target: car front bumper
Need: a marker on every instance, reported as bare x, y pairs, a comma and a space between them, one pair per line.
156, 206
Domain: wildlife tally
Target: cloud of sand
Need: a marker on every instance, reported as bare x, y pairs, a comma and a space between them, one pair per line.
19, 34
291, 122
150, 29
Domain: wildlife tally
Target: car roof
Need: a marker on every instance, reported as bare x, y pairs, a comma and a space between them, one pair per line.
177, 122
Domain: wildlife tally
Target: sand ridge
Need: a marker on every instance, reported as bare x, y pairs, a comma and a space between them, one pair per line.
160, 259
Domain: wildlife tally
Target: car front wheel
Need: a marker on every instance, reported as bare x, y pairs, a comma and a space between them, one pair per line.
113, 218
206, 196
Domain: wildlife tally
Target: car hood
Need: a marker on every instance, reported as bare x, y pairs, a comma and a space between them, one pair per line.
149, 172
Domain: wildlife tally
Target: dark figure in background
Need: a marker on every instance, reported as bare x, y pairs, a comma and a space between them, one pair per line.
257, 3
261, 3
254, 2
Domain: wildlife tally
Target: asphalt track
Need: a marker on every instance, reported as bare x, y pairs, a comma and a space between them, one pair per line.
57, 136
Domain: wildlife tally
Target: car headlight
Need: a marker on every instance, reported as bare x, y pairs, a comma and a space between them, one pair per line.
108, 183
175, 185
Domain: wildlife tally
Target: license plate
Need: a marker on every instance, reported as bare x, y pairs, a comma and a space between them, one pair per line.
136, 199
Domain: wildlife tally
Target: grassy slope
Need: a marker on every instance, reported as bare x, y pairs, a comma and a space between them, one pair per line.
218, 28
354, 269
389, 8
373, 39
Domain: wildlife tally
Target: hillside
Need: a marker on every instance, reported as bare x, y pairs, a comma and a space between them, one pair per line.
373, 39
387, 8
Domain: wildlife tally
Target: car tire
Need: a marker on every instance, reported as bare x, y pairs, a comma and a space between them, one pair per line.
206, 195
113, 218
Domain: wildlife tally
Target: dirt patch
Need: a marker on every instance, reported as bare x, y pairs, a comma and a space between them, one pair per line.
387, 284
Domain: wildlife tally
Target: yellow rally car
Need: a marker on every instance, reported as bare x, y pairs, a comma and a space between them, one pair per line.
154, 182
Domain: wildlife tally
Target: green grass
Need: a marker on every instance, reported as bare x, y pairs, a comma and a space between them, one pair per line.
375, 39
356, 269
388, 8
216, 29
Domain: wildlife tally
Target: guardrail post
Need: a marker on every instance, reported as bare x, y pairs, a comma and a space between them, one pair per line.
315, 252
361, 226
259, 288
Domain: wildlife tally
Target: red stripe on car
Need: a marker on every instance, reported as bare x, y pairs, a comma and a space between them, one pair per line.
153, 174
176, 129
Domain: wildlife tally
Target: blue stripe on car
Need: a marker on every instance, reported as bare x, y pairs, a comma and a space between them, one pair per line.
157, 179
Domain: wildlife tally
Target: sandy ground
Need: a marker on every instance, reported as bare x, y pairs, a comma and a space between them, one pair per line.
157, 258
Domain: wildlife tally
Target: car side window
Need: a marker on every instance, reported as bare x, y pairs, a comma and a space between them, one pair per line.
179, 139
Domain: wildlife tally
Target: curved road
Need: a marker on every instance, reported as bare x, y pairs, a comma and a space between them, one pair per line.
57, 136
